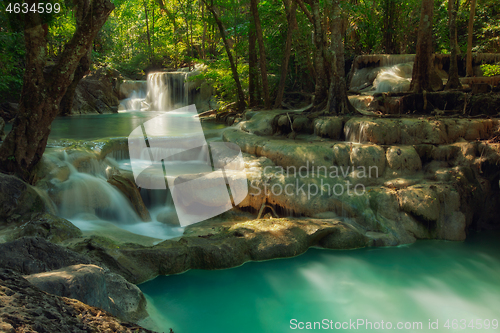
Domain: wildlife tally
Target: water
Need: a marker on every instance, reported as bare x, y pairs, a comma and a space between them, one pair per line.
93, 127
429, 280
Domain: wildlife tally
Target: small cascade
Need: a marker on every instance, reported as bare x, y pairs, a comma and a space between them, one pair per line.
133, 103
90, 193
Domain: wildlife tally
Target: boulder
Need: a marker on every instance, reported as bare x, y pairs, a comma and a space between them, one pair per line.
85, 283
25, 308
94, 286
17, 199
30, 255
97, 93
130, 190
126, 299
45, 225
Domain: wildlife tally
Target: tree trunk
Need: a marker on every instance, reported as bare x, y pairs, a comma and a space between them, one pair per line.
338, 102
291, 8
262, 53
469, 39
321, 88
203, 37
253, 78
389, 20
82, 8
147, 31
421, 76
241, 96
453, 79
41, 94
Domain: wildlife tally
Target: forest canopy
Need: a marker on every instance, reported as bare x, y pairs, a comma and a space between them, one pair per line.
144, 35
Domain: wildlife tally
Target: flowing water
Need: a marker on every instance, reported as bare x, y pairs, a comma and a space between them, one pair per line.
429, 282
81, 192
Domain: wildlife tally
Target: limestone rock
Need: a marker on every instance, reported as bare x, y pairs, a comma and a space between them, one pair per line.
369, 157
402, 160
330, 127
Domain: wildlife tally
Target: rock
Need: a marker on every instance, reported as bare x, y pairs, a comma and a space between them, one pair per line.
402, 160
220, 245
47, 226
127, 87
371, 157
30, 255
260, 124
25, 308
17, 199
126, 299
130, 190
330, 127
94, 286
95, 96
85, 283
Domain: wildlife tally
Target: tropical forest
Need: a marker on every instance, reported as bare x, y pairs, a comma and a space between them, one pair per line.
157, 158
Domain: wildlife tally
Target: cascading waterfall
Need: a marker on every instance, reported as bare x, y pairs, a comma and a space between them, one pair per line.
90, 194
166, 91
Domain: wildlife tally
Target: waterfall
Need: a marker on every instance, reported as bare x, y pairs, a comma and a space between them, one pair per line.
164, 91
167, 91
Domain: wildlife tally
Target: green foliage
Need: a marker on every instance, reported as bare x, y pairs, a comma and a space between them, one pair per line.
219, 75
491, 70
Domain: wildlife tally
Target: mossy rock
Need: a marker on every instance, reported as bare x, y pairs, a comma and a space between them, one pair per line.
45, 225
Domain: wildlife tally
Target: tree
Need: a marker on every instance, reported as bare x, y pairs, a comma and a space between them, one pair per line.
421, 76
241, 96
262, 52
468, 66
42, 92
291, 8
253, 78
453, 79
81, 9
338, 102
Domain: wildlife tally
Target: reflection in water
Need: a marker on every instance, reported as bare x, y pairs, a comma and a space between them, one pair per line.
430, 280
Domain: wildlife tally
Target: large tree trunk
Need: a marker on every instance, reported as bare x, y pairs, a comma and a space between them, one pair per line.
421, 76
291, 8
253, 77
338, 102
469, 39
81, 9
41, 94
241, 96
453, 79
262, 52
